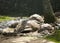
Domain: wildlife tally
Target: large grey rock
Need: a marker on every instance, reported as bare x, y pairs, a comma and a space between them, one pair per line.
33, 24
12, 23
8, 26
37, 17
46, 29
21, 25
27, 24
9, 23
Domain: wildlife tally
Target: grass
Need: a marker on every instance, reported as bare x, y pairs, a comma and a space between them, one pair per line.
55, 37
5, 18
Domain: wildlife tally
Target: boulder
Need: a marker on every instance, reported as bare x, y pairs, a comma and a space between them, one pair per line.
46, 29
37, 17
12, 23
21, 25
33, 24
8, 30
27, 24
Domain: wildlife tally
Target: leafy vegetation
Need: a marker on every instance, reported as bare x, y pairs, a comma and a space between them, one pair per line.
55, 37
22, 7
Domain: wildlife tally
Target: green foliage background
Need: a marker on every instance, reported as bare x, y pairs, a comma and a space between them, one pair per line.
24, 7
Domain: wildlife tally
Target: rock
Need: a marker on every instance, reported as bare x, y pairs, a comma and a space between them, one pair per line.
8, 26
27, 24
46, 29
21, 25
30, 23
48, 26
57, 14
1, 30
8, 30
12, 24
57, 25
58, 20
3, 24
37, 17
33, 24
27, 30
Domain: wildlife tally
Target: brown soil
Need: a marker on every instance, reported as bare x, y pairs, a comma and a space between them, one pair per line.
22, 39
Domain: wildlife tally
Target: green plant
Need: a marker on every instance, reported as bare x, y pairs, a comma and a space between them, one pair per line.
55, 37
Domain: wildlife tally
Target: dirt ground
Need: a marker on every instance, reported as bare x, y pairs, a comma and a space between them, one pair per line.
22, 39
